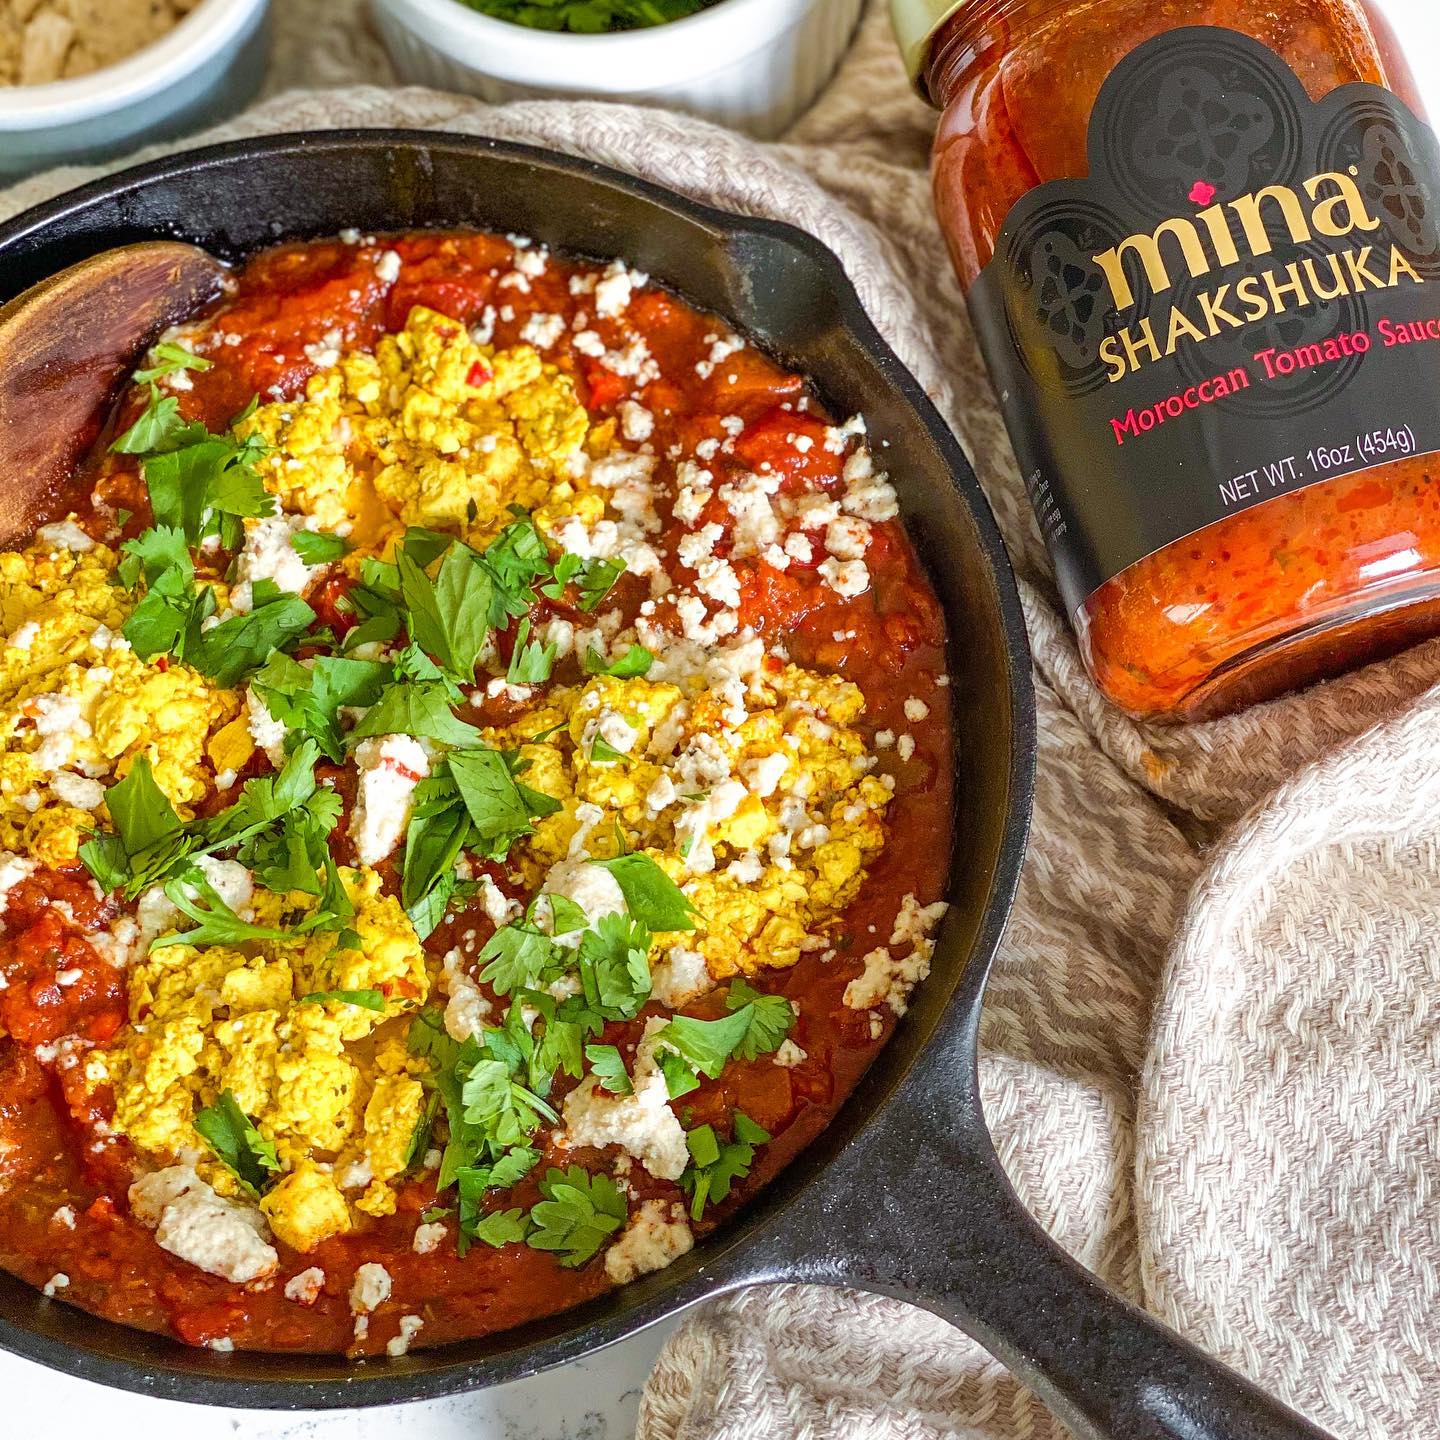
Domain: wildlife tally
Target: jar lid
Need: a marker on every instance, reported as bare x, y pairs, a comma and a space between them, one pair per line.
916, 24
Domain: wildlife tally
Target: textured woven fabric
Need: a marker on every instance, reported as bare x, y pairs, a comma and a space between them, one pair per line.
1273, 1199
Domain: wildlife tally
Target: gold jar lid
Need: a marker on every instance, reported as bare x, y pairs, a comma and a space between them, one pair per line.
916, 24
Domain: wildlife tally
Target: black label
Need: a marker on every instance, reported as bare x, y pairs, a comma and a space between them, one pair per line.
1242, 299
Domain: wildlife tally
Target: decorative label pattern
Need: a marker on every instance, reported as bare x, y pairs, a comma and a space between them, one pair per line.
1242, 299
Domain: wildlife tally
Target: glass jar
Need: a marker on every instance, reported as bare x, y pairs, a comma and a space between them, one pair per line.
1239, 498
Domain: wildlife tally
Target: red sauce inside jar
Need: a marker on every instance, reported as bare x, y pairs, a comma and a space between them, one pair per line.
1313, 581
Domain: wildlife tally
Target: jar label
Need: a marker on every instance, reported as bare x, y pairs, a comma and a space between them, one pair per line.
1241, 300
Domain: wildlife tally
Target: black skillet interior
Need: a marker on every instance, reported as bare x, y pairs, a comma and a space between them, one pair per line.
902, 1194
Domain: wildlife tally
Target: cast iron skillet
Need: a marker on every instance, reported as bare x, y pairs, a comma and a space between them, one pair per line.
902, 1194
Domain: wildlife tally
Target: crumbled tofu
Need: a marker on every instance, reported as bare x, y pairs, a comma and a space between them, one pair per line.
410, 1327
428, 1237
390, 767
371, 1288
642, 1123
682, 976
304, 1288
220, 1236
656, 1236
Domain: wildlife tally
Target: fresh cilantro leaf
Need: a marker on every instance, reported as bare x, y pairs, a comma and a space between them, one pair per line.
412, 663
170, 615
318, 547
364, 999
680, 1076
756, 1025
530, 662
592, 578
653, 898
421, 709
602, 752
503, 1109
159, 427
706, 1044
473, 1182
564, 914
237, 1143
103, 855
140, 810
438, 831
148, 835
427, 1038
207, 486
608, 1067
518, 957
517, 555
578, 1213
307, 699
501, 1227
614, 966
500, 807
228, 651
636, 660
151, 553
596, 579
216, 923
567, 567
771, 1019
449, 616
715, 1166
170, 358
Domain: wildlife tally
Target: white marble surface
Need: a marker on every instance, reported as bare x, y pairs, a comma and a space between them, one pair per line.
596, 1399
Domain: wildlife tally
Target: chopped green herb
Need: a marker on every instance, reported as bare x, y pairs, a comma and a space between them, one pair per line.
715, 1166
239, 1146
449, 616
579, 1212
318, 547
637, 660
602, 752
501, 1227
159, 427
588, 17
608, 1067
531, 662
614, 966
652, 897
230, 650
365, 999
216, 923
421, 709
756, 1025
169, 359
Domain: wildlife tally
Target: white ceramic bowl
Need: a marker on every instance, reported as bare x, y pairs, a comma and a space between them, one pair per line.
754, 65
208, 66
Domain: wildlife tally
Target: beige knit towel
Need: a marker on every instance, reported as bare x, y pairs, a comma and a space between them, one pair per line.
1237, 1126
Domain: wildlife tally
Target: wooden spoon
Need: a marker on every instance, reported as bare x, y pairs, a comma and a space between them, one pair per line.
64, 346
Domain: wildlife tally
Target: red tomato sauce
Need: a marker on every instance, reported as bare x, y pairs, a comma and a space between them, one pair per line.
64, 1177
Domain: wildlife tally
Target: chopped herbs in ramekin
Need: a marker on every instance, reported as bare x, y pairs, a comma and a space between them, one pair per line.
589, 17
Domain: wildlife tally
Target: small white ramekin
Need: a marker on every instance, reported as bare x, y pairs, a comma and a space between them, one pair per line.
754, 65
207, 67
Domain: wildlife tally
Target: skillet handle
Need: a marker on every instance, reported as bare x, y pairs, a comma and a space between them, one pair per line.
918, 1207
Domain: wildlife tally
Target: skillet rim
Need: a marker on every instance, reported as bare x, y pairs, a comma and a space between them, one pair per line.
577, 1332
